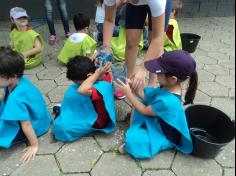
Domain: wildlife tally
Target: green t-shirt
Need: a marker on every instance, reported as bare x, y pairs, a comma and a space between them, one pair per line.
24, 41
176, 44
79, 44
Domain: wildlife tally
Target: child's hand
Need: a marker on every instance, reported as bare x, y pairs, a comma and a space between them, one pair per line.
103, 70
29, 154
124, 88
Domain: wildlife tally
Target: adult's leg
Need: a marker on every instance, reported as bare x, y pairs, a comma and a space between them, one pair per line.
135, 19
64, 15
49, 15
133, 37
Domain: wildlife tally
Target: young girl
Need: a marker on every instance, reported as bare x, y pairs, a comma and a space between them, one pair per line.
88, 105
25, 40
159, 121
79, 43
172, 39
23, 111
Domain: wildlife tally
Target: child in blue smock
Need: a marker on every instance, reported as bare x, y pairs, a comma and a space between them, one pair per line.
88, 105
159, 122
23, 112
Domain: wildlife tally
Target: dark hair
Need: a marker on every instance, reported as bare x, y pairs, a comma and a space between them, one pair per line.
79, 67
100, 2
177, 5
192, 87
13, 25
81, 21
11, 63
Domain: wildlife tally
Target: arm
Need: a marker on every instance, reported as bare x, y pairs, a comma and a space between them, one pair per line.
31, 151
143, 109
85, 88
37, 48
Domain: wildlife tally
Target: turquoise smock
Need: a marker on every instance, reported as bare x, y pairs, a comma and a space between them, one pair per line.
24, 103
145, 138
78, 115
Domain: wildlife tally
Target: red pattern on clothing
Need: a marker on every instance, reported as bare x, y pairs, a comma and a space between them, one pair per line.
99, 105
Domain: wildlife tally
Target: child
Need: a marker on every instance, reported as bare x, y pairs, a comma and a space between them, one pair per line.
25, 40
172, 39
79, 43
23, 111
88, 105
159, 120
99, 20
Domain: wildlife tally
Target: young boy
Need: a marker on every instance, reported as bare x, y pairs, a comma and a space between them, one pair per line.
88, 104
172, 39
23, 112
79, 43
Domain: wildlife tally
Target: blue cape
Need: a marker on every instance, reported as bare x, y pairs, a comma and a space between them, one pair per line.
24, 103
145, 138
78, 115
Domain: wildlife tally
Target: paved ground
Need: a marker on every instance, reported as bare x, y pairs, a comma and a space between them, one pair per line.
96, 154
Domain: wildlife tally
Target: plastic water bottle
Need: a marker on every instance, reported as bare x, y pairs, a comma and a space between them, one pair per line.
119, 73
103, 58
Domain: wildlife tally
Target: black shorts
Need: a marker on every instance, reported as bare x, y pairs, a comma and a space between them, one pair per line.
136, 16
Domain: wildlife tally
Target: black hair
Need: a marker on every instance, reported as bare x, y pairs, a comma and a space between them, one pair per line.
79, 67
12, 63
100, 2
192, 87
81, 21
13, 25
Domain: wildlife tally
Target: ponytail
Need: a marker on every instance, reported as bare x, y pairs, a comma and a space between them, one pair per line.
192, 89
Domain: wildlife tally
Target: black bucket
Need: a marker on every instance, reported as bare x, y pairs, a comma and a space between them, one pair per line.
211, 130
190, 42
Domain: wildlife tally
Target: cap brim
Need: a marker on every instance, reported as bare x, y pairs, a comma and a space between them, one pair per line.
154, 66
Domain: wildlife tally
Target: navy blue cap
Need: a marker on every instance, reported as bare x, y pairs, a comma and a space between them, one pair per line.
179, 63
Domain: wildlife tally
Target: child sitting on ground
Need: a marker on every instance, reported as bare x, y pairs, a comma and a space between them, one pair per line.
23, 112
172, 39
79, 43
25, 40
159, 122
88, 105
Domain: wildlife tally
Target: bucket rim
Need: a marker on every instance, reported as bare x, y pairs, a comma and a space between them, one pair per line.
214, 107
212, 143
191, 34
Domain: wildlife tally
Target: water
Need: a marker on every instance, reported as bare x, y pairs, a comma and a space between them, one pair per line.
202, 134
119, 73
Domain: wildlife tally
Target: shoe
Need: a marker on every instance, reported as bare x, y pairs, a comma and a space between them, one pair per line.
67, 35
56, 108
52, 39
119, 95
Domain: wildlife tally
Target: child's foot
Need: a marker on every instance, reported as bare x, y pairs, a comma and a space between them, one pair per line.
67, 35
119, 95
122, 149
52, 39
57, 110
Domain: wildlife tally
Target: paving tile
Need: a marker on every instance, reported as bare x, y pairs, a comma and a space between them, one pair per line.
84, 152
117, 165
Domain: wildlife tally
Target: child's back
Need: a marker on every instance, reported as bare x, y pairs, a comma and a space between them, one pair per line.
92, 109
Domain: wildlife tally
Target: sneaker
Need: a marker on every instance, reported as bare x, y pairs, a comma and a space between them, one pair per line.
67, 35
52, 39
56, 108
119, 95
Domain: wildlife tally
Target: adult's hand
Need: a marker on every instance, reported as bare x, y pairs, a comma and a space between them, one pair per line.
139, 78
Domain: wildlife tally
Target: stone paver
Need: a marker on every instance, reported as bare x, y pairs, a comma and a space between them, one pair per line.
185, 165
117, 165
84, 152
162, 161
214, 89
96, 155
159, 173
